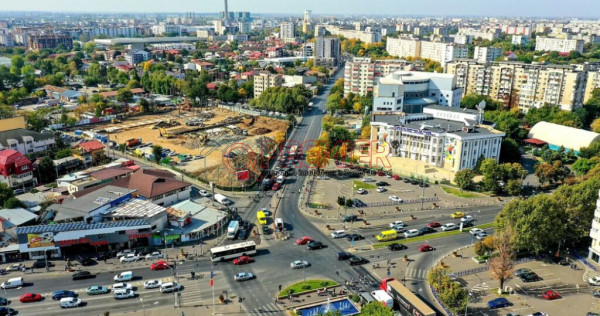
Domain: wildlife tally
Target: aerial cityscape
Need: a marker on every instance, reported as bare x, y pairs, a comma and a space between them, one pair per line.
300, 158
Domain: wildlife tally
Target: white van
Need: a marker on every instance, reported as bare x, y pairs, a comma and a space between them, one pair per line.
12, 283
383, 297
222, 199
67, 302
124, 276
170, 287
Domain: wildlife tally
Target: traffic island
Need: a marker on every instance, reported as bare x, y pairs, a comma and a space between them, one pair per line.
309, 286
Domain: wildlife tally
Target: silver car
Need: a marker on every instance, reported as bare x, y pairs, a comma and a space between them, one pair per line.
243, 276
299, 264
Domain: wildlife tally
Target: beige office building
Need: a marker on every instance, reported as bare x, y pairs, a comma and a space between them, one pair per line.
264, 81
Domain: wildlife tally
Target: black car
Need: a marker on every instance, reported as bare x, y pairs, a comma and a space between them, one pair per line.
355, 237
242, 234
105, 256
467, 224
529, 277
86, 261
265, 230
357, 261
315, 245
426, 230
3, 301
358, 203
5, 311
342, 255
424, 185
350, 218
406, 180
396, 246
38, 264
381, 184
82, 275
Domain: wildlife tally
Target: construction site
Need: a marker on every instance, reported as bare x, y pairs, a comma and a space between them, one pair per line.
197, 140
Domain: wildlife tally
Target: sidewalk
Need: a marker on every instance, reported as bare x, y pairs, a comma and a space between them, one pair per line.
205, 309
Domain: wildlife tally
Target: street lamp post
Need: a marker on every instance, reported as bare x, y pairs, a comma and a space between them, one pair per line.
143, 307
467, 305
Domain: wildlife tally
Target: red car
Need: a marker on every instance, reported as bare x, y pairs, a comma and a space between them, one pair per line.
425, 248
161, 265
242, 260
551, 295
396, 177
303, 241
30, 297
275, 187
434, 225
380, 173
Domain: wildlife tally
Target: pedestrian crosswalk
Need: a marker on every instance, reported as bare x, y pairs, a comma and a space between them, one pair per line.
416, 274
272, 309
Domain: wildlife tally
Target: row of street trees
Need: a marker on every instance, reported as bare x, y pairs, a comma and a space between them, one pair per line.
497, 178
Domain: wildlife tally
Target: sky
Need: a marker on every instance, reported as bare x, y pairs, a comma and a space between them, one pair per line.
512, 8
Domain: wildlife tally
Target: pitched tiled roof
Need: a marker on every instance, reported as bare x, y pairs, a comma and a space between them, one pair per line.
8, 156
149, 185
92, 145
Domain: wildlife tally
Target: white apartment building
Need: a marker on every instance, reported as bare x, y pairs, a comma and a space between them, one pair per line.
287, 30
519, 40
516, 30
163, 29
523, 85
113, 31
411, 91
594, 248
136, 56
266, 80
463, 39
361, 74
436, 51
558, 45
485, 54
363, 36
487, 34
448, 138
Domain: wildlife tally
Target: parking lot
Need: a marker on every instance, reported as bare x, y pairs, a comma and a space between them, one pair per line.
526, 297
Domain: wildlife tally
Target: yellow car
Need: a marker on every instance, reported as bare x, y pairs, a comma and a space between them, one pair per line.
457, 215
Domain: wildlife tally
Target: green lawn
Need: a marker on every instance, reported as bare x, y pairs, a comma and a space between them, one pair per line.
363, 185
309, 285
429, 236
318, 205
459, 193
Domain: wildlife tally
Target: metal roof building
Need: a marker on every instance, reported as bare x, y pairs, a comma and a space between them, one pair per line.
563, 136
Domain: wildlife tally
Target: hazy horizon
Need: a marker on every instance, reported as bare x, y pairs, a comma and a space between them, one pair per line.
495, 8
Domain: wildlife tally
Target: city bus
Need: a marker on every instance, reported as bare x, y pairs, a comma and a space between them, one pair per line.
229, 252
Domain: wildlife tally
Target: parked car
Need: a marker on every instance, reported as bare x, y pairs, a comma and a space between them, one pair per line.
354, 237
204, 193
425, 248
242, 260
396, 247
125, 252
550, 295
97, 289
449, 226
41, 263
243, 276
361, 191
86, 261
154, 255
5, 311
381, 189
152, 284
299, 264
315, 245
357, 261
350, 218
358, 203
342, 255
62, 294
529, 277
522, 271
129, 258
498, 303
82, 275
15, 267
303, 240
394, 198
3, 301
594, 280
381, 184
338, 234
457, 214
30, 297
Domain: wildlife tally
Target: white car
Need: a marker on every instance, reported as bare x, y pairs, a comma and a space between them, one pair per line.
396, 223
67, 302
399, 229
125, 252
449, 226
368, 180
594, 280
243, 276
481, 235
299, 264
394, 198
361, 191
338, 234
154, 255
267, 212
129, 258
467, 219
411, 233
152, 284
123, 294
381, 189
204, 193
475, 231
122, 286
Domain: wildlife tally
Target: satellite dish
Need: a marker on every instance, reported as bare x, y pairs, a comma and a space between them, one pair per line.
481, 105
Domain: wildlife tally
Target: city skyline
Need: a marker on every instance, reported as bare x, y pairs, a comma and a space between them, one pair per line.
533, 8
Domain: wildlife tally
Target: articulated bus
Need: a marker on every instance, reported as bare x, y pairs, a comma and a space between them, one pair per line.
229, 252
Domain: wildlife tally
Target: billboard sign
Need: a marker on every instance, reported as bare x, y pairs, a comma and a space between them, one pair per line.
40, 240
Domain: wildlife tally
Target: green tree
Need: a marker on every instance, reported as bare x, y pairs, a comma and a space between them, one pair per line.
464, 179
13, 202
63, 153
509, 151
514, 187
157, 153
583, 165
46, 170
333, 102
471, 100
17, 62
125, 95
375, 308
5, 193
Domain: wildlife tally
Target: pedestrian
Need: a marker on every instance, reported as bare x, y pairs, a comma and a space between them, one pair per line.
104, 260
337, 273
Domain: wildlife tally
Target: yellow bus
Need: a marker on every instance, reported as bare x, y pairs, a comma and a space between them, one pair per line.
387, 235
262, 218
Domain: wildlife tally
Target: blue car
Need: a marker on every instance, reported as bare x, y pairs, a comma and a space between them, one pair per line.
498, 303
62, 294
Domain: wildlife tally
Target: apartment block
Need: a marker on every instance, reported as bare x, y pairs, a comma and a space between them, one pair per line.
287, 30
327, 50
366, 36
593, 82
436, 51
36, 42
594, 248
558, 45
484, 54
523, 85
361, 74
263, 81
